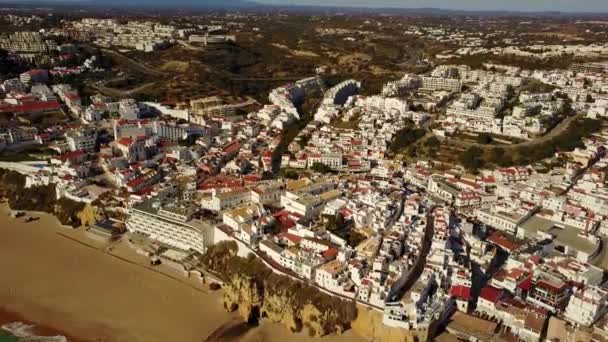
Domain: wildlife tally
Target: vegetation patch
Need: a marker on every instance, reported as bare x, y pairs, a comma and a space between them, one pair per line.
405, 137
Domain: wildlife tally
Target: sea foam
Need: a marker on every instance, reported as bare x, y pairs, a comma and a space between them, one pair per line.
25, 332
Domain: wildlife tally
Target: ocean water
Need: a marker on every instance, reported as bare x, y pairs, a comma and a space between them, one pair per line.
5, 336
18, 331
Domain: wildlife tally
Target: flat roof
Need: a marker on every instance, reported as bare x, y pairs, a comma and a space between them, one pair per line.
148, 206
330, 194
472, 326
564, 234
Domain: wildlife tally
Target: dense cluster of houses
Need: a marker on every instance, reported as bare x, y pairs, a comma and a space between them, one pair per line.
416, 242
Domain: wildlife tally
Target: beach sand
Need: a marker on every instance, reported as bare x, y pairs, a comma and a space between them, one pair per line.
66, 282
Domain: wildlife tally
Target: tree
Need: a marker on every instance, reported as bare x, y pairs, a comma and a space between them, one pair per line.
303, 141
321, 168
267, 175
7, 65
354, 238
496, 155
566, 109
330, 225
273, 227
484, 138
433, 142
335, 222
472, 159
405, 137
290, 174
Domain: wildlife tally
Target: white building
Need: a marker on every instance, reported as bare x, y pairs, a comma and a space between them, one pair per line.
332, 275
81, 139
587, 305
171, 224
128, 109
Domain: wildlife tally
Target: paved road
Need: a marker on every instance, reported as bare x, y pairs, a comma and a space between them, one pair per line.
189, 46
601, 259
121, 93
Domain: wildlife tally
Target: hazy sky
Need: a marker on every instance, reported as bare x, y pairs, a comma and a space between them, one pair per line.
593, 6
481, 5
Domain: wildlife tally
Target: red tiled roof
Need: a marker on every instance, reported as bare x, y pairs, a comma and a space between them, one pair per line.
502, 241
38, 72
232, 147
526, 285
489, 179
284, 218
332, 252
126, 141
491, 294
550, 287
135, 182
461, 291
252, 178
291, 237
286, 222
71, 155
346, 212
30, 107
220, 181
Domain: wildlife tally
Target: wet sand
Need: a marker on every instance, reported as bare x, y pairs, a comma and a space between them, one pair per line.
65, 282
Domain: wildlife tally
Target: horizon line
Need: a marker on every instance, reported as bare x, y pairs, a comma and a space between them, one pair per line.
253, 4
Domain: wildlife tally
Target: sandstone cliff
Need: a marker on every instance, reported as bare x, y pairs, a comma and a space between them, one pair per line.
245, 294
39, 198
257, 293
282, 300
88, 215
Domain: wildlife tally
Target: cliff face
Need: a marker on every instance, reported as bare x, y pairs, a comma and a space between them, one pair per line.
245, 294
257, 293
266, 300
279, 309
369, 325
39, 198
88, 215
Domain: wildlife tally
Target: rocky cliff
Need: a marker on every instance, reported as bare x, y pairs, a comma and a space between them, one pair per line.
257, 293
40, 198
282, 300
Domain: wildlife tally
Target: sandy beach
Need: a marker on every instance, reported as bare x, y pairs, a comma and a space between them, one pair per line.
66, 282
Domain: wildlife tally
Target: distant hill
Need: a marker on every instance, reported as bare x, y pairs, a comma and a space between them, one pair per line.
252, 5
140, 4
174, 4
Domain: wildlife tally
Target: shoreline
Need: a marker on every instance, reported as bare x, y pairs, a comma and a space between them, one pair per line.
142, 297
7, 317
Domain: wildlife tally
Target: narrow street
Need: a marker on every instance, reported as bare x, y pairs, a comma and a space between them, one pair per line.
407, 280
